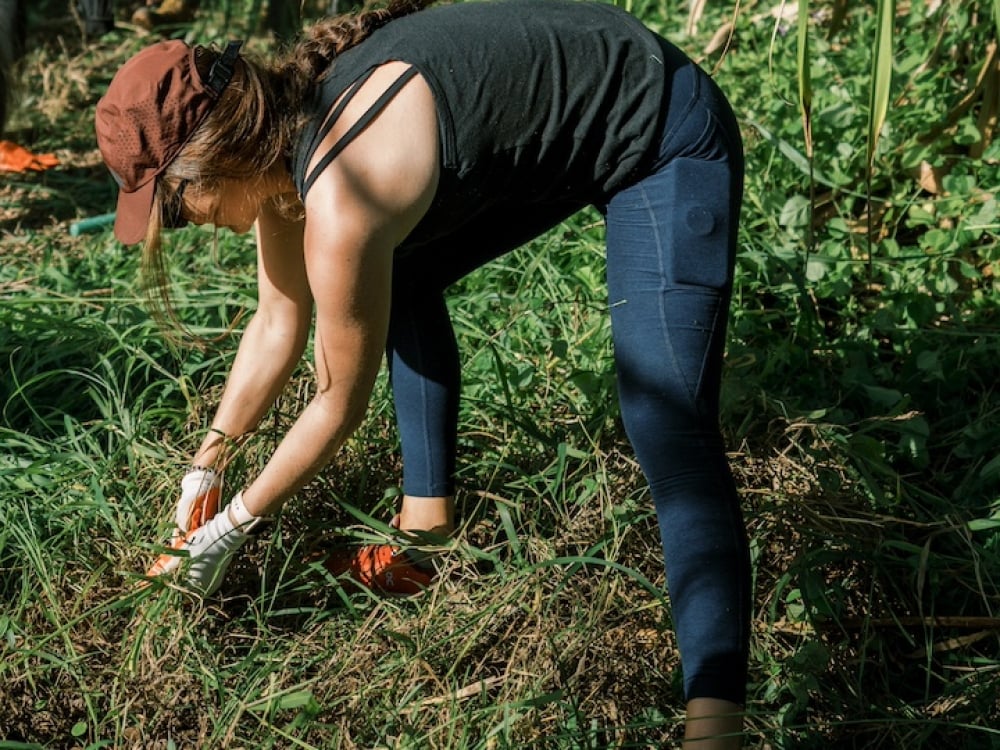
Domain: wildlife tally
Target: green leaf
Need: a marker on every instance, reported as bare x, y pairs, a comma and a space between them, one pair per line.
885, 397
795, 213
959, 184
805, 75
996, 16
984, 524
798, 159
295, 700
928, 361
967, 132
816, 268
991, 470
881, 75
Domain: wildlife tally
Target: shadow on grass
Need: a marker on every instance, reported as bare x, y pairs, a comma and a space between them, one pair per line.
35, 202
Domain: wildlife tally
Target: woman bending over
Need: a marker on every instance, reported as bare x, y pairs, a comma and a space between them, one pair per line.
388, 155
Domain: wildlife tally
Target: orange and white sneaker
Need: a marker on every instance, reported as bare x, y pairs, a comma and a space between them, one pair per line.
199, 502
383, 568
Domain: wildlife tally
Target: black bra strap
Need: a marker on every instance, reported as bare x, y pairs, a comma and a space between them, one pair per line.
334, 114
353, 132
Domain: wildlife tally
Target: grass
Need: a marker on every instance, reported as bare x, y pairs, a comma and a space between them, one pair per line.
860, 406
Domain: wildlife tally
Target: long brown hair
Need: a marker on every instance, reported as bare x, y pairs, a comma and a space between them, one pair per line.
255, 123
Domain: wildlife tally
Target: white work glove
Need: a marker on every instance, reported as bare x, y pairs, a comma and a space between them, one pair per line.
212, 546
200, 492
199, 501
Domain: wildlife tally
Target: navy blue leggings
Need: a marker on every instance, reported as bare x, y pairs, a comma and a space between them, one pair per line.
671, 240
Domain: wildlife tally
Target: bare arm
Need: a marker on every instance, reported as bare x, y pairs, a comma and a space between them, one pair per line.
273, 341
358, 211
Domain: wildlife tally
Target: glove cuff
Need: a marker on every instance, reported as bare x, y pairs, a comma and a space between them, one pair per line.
240, 517
202, 477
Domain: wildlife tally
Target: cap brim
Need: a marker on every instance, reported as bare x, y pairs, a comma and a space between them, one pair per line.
132, 217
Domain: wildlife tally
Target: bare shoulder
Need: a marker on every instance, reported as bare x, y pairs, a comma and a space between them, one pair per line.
387, 174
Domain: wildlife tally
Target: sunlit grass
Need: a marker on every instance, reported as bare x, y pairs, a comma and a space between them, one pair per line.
860, 409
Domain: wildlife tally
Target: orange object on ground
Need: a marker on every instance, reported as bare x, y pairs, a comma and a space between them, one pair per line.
382, 567
14, 158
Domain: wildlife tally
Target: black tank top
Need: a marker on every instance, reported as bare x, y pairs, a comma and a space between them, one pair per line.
538, 101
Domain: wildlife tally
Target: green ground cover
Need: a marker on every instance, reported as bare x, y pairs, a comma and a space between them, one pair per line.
860, 407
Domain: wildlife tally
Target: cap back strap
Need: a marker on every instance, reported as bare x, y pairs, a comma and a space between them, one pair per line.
221, 72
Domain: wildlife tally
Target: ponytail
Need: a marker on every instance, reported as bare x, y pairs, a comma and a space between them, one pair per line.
324, 40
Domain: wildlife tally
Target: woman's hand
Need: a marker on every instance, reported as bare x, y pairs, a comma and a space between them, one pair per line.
199, 501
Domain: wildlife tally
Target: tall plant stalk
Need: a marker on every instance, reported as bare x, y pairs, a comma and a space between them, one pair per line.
878, 102
805, 107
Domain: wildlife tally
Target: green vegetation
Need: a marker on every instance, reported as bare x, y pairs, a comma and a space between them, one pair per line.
860, 406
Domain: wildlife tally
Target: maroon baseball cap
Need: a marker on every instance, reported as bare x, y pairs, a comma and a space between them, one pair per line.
155, 103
